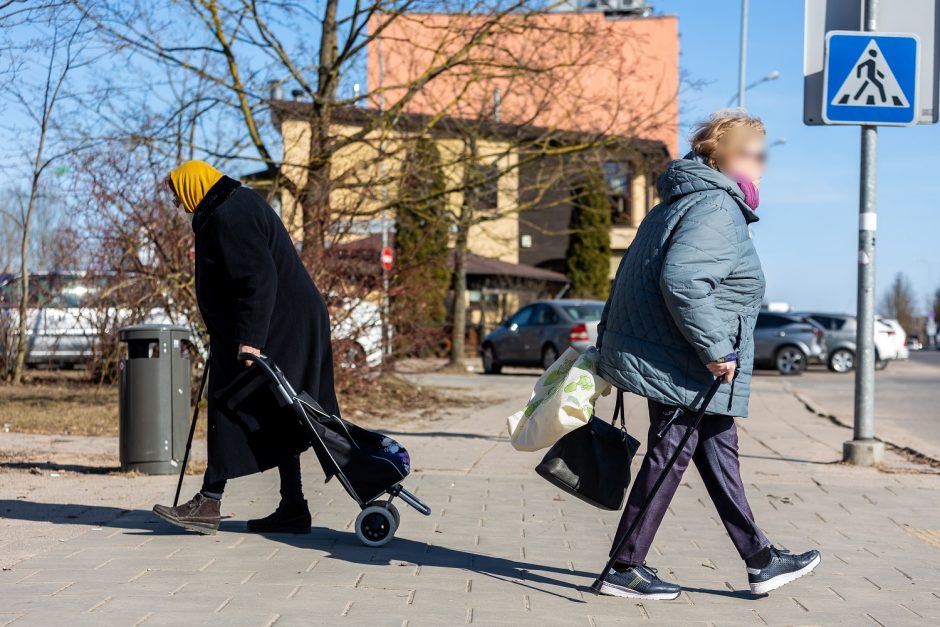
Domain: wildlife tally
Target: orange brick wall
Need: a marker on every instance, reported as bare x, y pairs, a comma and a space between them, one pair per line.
593, 74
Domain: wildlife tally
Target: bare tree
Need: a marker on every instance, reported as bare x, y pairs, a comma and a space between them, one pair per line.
39, 102
900, 302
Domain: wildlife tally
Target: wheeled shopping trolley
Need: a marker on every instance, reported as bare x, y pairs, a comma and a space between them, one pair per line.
368, 464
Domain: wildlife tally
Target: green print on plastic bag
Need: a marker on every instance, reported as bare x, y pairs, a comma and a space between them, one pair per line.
532, 406
583, 382
554, 378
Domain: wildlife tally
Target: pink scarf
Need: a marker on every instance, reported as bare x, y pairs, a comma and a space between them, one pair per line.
751, 193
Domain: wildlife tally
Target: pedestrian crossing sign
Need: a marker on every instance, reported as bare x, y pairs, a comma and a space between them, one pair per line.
870, 78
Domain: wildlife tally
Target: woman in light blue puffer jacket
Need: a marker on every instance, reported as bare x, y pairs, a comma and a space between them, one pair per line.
681, 312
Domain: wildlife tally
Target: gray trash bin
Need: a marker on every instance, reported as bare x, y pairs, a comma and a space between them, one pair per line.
154, 398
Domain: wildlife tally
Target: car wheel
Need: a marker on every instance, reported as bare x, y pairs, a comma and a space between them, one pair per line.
790, 360
349, 354
490, 364
549, 356
842, 360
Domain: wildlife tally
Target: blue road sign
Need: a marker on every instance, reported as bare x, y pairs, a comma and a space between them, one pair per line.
870, 78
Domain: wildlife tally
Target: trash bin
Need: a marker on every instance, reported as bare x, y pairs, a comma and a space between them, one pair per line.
154, 398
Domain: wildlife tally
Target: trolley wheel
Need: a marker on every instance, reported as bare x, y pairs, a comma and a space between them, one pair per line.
390, 507
376, 525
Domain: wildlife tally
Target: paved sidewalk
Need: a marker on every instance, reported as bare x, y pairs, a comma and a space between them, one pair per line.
502, 546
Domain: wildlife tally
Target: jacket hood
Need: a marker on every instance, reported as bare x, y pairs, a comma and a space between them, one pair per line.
691, 174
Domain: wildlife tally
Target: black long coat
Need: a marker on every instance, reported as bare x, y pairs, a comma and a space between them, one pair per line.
253, 289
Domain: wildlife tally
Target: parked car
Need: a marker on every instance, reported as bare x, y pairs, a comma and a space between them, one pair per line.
539, 332
357, 333
840, 341
63, 321
898, 335
62, 326
914, 343
788, 342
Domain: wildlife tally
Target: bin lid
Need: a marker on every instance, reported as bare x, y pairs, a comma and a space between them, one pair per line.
152, 332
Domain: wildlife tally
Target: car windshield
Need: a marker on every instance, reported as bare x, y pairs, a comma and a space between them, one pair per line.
53, 291
584, 312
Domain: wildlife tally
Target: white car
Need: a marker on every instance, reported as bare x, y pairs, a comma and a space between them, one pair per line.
356, 327
63, 325
897, 335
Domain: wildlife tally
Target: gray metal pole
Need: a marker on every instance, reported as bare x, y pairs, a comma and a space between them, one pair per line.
864, 449
386, 322
742, 66
865, 361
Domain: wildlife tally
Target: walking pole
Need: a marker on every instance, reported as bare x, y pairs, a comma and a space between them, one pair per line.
596, 586
192, 432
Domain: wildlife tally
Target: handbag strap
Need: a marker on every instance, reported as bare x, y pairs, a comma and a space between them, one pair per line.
618, 412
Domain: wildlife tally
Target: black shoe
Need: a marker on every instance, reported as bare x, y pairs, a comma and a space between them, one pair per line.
782, 568
639, 582
289, 517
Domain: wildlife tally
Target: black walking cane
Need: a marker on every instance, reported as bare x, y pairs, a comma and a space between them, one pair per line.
596, 586
192, 432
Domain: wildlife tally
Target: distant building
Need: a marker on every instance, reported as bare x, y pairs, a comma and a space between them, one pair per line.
530, 198
616, 73
608, 66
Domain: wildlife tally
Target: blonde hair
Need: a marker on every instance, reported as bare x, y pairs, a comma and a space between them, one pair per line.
710, 137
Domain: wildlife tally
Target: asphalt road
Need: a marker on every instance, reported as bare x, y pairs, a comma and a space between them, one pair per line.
907, 399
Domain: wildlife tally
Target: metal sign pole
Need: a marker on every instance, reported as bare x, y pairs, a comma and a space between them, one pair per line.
742, 61
863, 449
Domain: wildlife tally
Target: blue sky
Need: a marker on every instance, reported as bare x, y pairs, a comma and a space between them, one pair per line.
808, 233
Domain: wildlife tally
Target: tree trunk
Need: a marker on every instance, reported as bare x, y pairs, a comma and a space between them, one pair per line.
21, 343
459, 306
315, 198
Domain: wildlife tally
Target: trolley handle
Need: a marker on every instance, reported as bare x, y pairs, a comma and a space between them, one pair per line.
283, 389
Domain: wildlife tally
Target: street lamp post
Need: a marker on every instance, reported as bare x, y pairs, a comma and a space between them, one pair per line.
742, 64
774, 75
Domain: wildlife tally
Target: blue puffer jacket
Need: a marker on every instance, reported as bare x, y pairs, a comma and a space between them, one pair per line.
687, 292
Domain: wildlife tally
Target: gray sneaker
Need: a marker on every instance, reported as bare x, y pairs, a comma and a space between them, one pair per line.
782, 568
638, 582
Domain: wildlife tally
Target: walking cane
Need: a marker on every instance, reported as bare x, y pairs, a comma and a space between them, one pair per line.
192, 432
596, 586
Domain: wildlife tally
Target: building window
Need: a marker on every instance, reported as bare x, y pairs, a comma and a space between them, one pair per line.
484, 186
617, 175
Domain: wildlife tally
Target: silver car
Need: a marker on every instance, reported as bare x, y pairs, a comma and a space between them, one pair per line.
539, 332
788, 342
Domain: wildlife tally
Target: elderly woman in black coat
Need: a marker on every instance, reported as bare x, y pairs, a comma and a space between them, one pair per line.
255, 296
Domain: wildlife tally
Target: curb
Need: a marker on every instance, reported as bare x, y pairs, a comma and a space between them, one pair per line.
906, 452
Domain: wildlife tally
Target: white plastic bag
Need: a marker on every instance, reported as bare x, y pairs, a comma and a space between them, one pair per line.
562, 401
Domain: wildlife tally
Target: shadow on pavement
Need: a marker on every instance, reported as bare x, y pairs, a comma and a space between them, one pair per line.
744, 595
63, 513
339, 545
343, 545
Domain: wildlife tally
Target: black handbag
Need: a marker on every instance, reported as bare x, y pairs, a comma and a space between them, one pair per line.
593, 462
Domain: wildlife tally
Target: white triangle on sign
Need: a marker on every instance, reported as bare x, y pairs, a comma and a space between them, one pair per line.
871, 82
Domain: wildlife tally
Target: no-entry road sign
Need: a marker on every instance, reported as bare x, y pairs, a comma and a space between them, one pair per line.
387, 259
871, 78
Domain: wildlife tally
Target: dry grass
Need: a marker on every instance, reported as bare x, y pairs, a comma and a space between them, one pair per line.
59, 403
66, 403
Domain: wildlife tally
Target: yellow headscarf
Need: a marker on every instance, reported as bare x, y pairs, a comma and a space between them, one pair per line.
192, 181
